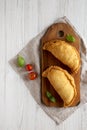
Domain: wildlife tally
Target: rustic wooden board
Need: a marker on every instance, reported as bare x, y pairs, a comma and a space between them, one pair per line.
57, 31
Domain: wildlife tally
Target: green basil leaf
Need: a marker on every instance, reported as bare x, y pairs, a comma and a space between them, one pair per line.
48, 94
20, 61
70, 38
52, 99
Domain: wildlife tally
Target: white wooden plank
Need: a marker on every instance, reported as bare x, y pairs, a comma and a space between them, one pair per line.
14, 101
30, 19
20, 106
2, 66
47, 13
43, 121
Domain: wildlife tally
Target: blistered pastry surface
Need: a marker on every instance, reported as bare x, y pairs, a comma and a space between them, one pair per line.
62, 82
66, 53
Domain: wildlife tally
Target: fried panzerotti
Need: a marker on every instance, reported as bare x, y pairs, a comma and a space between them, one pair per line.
62, 82
66, 53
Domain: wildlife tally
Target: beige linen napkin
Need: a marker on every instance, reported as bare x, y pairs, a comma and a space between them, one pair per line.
31, 53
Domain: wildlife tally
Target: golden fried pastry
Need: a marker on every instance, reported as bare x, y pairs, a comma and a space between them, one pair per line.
66, 53
62, 82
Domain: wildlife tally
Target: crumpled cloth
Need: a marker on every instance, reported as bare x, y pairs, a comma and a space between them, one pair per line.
31, 53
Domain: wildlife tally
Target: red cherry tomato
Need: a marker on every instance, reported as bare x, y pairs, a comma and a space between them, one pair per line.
32, 75
28, 67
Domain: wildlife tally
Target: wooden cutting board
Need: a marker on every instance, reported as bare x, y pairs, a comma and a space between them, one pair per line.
57, 31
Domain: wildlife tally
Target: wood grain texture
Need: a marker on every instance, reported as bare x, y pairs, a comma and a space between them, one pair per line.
20, 21
48, 60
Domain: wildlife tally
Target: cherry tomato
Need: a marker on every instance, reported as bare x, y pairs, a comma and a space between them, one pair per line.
28, 67
32, 75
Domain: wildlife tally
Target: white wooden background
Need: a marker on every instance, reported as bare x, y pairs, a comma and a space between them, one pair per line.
20, 21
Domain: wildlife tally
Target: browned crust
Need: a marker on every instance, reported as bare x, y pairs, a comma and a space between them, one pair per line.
57, 43
69, 77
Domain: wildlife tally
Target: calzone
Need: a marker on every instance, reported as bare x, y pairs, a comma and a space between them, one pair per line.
62, 82
66, 53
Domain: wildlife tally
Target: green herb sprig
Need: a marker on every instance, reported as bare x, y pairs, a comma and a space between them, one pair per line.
70, 38
50, 97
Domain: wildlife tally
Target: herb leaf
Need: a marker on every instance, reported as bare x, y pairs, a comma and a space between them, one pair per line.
70, 38
50, 97
20, 61
48, 94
